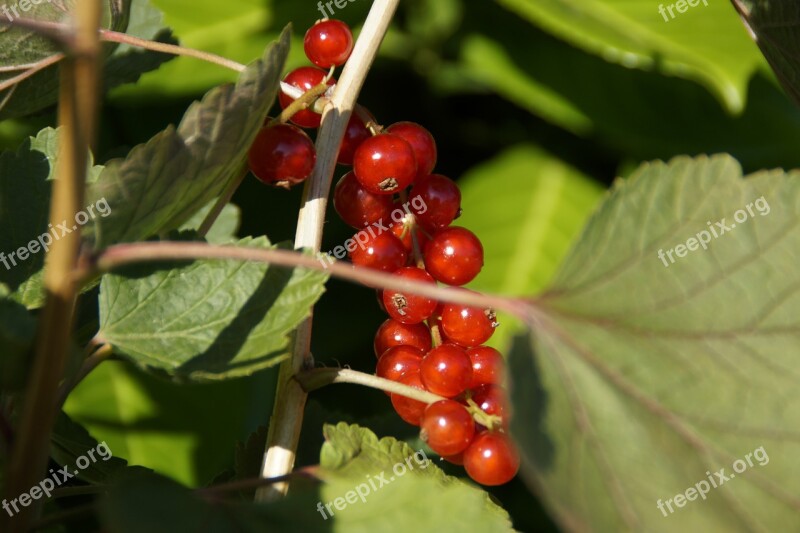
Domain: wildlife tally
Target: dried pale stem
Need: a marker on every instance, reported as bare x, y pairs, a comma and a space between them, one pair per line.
287, 416
320, 377
78, 96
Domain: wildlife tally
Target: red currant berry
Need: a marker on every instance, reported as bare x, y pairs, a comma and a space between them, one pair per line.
454, 256
383, 252
468, 326
409, 308
440, 201
355, 134
357, 206
305, 78
447, 427
457, 459
446, 370
491, 459
488, 366
423, 143
282, 155
393, 333
492, 400
398, 361
328, 43
403, 231
385, 164
408, 409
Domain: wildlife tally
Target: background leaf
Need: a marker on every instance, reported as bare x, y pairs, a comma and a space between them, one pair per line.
216, 319
641, 377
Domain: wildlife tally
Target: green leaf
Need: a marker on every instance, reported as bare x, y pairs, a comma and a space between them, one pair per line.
22, 48
17, 331
705, 44
775, 26
527, 207
162, 184
216, 319
643, 374
224, 228
70, 442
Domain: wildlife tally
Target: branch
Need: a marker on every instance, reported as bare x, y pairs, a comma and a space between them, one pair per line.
320, 377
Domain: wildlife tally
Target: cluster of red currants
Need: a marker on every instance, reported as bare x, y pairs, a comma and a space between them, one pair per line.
424, 344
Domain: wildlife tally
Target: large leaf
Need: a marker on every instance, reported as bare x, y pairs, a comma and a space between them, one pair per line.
706, 43
22, 48
775, 26
161, 184
70, 443
209, 320
645, 374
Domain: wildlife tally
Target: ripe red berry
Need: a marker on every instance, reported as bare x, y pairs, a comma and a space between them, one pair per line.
394, 333
355, 134
447, 427
423, 143
385, 164
488, 366
357, 206
491, 459
328, 43
493, 401
305, 78
383, 252
454, 256
446, 370
408, 409
468, 326
398, 361
457, 459
406, 307
282, 155
440, 201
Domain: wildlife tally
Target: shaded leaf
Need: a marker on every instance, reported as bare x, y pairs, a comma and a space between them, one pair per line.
163, 183
643, 375
71, 441
215, 319
17, 331
224, 228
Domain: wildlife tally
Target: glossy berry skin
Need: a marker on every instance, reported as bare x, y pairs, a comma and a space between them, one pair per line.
447, 427
328, 43
355, 134
457, 459
403, 231
399, 361
305, 78
467, 326
385, 164
421, 141
357, 206
409, 308
282, 155
383, 252
393, 333
493, 400
491, 459
488, 366
409, 410
446, 370
440, 201
454, 256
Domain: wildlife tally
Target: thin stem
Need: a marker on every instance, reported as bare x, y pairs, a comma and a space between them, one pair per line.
222, 201
287, 415
78, 97
143, 252
317, 378
34, 69
85, 490
100, 355
304, 102
62, 516
116, 37
247, 484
